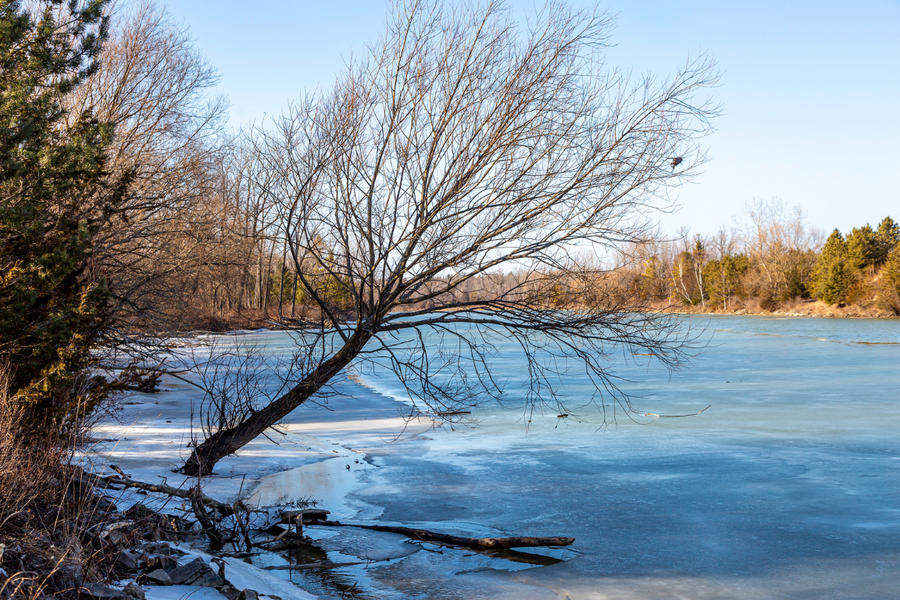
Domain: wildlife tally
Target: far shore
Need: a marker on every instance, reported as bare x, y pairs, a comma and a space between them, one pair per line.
793, 308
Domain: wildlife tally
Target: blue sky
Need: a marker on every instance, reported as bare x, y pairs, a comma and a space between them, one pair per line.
810, 90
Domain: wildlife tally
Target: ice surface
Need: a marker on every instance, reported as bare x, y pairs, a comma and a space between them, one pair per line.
787, 487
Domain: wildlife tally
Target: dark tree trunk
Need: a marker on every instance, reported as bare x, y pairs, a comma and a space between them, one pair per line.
281, 284
228, 441
293, 295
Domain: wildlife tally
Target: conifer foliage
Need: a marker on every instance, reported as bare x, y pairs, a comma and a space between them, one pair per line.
54, 193
831, 277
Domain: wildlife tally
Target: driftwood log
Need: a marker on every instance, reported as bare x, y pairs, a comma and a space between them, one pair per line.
453, 540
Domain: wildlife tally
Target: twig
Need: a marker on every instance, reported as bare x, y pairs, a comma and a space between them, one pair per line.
656, 416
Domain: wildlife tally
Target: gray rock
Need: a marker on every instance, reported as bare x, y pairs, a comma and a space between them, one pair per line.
70, 576
161, 561
135, 591
117, 537
98, 591
196, 572
229, 591
106, 504
249, 594
157, 577
157, 548
126, 561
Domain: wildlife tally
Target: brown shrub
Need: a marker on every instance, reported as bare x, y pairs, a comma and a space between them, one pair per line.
45, 509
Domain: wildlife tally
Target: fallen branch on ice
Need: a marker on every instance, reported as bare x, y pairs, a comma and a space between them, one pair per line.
656, 416
453, 540
161, 488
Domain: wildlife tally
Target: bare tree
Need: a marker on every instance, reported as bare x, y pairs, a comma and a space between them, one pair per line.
684, 272
155, 89
781, 248
459, 147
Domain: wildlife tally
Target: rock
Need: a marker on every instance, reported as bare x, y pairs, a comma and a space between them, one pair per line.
135, 591
98, 591
157, 548
157, 577
161, 561
126, 562
117, 537
70, 576
106, 504
230, 592
196, 572
249, 594
115, 533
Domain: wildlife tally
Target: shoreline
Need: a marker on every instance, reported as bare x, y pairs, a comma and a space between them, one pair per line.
319, 453
815, 309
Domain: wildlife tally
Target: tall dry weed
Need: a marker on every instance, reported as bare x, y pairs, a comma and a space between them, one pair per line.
45, 509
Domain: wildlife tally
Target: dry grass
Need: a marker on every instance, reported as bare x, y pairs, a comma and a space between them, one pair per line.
46, 512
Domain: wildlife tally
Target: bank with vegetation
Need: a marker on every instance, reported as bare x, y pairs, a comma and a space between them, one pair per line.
773, 262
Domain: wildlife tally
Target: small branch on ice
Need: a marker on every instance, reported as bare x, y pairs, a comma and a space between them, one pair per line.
656, 416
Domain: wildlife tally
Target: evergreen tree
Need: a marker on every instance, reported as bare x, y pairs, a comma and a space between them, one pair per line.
861, 247
887, 238
831, 277
836, 284
54, 192
722, 278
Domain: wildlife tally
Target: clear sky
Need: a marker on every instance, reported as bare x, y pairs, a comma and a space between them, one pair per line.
810, 90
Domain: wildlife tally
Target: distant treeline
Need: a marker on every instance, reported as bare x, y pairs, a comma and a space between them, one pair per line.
770, 259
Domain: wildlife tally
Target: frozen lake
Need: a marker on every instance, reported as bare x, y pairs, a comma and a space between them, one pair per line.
787, 487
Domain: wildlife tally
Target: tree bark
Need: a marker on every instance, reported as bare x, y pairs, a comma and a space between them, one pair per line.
293, 296
228, 441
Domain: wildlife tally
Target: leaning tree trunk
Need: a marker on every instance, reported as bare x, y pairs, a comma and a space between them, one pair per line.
228, 441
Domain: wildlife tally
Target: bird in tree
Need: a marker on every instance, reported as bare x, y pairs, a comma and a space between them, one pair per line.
677, 161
